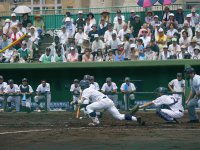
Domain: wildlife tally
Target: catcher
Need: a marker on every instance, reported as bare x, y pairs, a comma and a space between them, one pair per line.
169, 107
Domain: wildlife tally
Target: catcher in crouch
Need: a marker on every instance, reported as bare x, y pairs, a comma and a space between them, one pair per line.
169, 107
100, 101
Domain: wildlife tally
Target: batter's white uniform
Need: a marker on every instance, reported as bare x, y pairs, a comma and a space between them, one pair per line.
43, 90
178, 86
100, 101
175, 110
108, 89
2, 88
15, 99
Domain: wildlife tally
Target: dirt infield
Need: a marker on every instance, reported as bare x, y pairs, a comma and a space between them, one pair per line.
59, 131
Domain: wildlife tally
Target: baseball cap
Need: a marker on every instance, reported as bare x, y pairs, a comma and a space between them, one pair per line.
119, 11
137, 16
180, 7
72, 48
188, 16
160, 30
174, 40
108, 79
67, 19
197, 48
194, 40
24, 79
76, 80
165, 46
13, 15
179, 74
127, 79
156, 16
183, 46
10, 81
7, 20
80, 12
132, 10
1, 77
171, 14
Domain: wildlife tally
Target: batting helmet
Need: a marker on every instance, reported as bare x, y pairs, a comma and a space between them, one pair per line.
161, 90
84, 84
189, 70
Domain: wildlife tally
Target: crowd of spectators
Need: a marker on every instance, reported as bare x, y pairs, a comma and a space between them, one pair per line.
174, 36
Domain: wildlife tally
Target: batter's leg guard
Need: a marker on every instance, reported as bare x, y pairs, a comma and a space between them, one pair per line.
128, 117
163, 115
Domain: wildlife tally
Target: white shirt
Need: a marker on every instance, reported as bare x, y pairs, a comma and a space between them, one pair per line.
107, 88
87, 29
95, 86
108, 35
162, 55
131, 87
72, 58
191, 50
195, 84
97, 45
79, 37
167, 100
121, 34
63, 37
116, 19
92, 95
42, 89
23, 31
114, 43
195, 56
178, 86
170, 33
3, 86
146, 40
8, 54
173, 49
14, 23
12, 90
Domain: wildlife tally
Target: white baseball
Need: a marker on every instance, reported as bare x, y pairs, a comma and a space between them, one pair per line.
80, 117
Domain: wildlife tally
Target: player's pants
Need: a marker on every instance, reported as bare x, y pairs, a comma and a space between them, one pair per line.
193, 103
75, 99
26, 103
37, 99
114, 98
127, 98
107, 104
2, 101
169, 115
16, 100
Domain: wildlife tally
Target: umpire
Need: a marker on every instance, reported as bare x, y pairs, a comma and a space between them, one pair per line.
193, 99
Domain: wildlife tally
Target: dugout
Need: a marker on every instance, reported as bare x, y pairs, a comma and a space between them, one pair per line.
61, 75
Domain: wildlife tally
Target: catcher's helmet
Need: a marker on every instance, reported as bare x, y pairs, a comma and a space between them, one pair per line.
189, 70
84, 84
161, 90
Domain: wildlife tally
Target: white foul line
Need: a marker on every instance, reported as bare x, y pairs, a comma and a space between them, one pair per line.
26, 131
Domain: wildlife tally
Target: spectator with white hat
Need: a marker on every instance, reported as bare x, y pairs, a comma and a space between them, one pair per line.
63, 35
184, 53
174, 47
85, 44
70, 27
161, 38
165, 54
187, 28
196, 54
118, 15
97, 44
14, 20
132, 18
192, 46
72, 56
80, 21
145, 38
119, 24
79, 36
179, 16
108, 33
15, 36
172, 20
7, 27
155, 21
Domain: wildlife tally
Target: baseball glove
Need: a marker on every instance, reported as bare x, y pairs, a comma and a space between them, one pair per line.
134, 109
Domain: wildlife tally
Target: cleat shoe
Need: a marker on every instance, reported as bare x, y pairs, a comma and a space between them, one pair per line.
92, 124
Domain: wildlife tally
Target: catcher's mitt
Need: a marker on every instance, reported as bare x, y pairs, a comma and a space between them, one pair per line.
134, 109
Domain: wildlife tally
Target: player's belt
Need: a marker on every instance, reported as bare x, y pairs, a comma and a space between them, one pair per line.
180, 110
104, 97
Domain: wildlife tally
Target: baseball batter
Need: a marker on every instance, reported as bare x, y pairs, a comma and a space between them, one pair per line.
100, 101
169, 107
193, 99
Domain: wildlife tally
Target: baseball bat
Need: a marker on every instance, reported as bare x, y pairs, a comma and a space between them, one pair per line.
78, 112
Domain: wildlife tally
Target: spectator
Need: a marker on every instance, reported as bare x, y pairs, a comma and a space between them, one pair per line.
149, 54
90, 16
7, 27
114, 42
39, 23
93, 32
196, 54
119, 15
24, 52
27, 90
94, 84
58, 57
68, 14
149, 17
119, 56
155, 21
2, 22
34, 38
183, 54
188, 29
110, 56
85, 44
102, 28
131, 19
75, 90
63, 36
172, 20
87, 27
6, 41
170, 32
140, 47
97, 44
26, 20
179, 16
80, 21
14, 21
70, 27
195, 19
134, 52
177, 85
110, 89
144, 28
13, 90
99, 56
197, 36
145, 38
105, 16
161, 38
47, 57
136, 26
193, 44
108, 33
166, 14
184, 40
22, 30
2, 88
154, 46
174, 47
123, 32
15, 36
87, 57
7, 55
119, 24
79, 36
43, 93
126, 46
72, 56
128, 89
16, 58
165, 54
